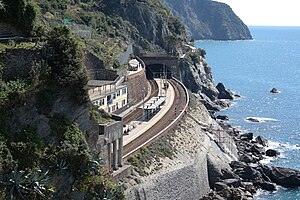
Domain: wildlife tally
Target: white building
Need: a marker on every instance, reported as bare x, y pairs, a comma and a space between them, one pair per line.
107, 95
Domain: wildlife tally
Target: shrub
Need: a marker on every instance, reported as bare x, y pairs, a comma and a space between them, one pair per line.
99, 187
71, 147
6, 159
19, 12
64, 58
26, 148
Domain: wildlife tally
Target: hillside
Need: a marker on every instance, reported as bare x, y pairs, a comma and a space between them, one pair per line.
47, 135
46, 119
207, 19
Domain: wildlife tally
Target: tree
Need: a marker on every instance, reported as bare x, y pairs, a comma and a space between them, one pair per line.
64, 57
20, 13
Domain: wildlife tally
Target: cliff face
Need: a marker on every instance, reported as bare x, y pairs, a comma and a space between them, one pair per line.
150, 22
207, 19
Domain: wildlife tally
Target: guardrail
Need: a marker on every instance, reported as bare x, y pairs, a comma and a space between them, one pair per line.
167, 128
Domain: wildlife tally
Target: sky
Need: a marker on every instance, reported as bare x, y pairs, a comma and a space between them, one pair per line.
266, 12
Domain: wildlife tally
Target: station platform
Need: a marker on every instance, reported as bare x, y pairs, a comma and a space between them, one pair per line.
142, 126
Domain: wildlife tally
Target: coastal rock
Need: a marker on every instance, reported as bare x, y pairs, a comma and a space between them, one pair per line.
246, 158
247, 136
248, 186
232, 182
285, 177
223, 92
228, 174
272, 153
257, 150
261, 140
274, 91
223, 103
208, 103
266, 185
252, 119
237, 164
206, 19
219, 186
222, 117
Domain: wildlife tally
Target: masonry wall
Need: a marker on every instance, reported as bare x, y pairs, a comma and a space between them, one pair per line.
96, 70
18, 62
136, 83
7, 30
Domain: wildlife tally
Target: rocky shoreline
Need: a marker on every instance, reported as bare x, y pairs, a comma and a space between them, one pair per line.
247, 175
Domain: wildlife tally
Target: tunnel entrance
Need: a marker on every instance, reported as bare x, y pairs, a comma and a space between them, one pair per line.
158, 71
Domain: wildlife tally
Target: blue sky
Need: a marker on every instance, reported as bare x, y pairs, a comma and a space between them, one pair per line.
267, 12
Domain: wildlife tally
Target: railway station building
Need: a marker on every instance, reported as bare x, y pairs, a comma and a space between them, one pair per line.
108, 95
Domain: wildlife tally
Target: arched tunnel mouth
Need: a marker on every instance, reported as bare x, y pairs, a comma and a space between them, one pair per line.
158, 71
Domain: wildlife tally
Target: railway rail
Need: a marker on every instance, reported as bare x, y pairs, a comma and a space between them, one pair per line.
165, 124
139, 112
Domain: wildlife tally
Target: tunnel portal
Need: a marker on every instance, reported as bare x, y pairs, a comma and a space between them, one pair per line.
158, 71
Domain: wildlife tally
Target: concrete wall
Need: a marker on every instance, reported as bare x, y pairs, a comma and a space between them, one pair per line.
108, 134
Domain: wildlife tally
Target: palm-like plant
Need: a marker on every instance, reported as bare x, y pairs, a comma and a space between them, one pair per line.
1, 5
20, 185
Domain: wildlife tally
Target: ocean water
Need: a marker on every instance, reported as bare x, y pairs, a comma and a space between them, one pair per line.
252, 69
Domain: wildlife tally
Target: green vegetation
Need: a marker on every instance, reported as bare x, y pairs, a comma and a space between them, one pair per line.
162, 148
21, 13
42, 148
64, 57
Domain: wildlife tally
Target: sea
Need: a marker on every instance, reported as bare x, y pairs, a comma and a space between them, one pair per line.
252, 68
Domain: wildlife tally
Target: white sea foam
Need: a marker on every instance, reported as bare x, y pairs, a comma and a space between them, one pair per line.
283, 146
260, 119
273, 145
267, 160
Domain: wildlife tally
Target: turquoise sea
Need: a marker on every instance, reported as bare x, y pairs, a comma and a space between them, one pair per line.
252, 69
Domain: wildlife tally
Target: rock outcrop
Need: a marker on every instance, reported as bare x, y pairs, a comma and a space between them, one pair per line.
197, 77
248, 175
150, 23
207, 19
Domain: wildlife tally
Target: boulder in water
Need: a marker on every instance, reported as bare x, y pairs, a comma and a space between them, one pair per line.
261, 140
222, 117
223, 92
274, 91
252, 119
272, 153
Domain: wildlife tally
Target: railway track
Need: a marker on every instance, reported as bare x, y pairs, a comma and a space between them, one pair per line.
139, 112
178, 105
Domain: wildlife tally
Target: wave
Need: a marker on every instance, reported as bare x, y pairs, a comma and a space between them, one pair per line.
283, 146
260, 119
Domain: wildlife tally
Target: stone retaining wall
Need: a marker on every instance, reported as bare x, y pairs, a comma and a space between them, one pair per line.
137, 83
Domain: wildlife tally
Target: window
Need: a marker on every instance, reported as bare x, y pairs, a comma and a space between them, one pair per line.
109, 99
114, 96
124, 91
101, 102
118, 93
113, 108
123, 102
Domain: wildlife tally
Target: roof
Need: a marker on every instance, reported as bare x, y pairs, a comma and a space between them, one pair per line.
153, 103
97, 83
134, 62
